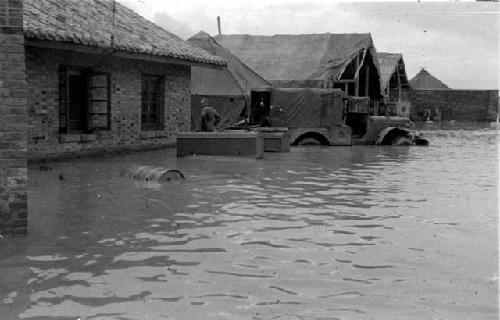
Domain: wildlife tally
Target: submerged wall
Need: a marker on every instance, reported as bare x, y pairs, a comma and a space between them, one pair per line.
13, 166
459, 105
125, 133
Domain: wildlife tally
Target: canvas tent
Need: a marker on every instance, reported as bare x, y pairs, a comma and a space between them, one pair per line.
424, 80
228, 90
345, 61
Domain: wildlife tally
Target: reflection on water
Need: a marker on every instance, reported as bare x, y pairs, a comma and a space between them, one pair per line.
321, 233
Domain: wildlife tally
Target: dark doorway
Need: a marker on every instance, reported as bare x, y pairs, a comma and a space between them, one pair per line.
260, 106
358, 123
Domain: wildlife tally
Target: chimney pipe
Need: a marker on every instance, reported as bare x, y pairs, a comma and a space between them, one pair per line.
218, 25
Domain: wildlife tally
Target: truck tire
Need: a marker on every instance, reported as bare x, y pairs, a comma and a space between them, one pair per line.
308, 142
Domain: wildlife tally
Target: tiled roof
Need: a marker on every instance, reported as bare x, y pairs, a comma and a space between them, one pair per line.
92, 23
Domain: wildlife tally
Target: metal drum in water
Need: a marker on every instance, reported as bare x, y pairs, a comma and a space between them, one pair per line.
155, 174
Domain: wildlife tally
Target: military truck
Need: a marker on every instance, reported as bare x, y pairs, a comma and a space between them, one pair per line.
330, 117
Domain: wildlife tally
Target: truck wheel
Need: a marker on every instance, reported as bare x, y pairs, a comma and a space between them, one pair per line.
401, 141
308, 142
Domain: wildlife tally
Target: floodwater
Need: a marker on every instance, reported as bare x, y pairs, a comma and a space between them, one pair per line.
357, 232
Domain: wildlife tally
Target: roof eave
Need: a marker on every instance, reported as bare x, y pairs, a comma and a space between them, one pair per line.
68, 46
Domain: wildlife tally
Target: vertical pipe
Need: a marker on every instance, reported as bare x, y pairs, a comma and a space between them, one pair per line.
399, 84
113, 32
218, 25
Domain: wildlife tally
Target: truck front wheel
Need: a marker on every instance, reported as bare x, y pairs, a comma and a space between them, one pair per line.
308, 142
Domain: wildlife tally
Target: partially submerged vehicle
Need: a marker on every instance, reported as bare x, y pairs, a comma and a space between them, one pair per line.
400, 137
329, 91
330, 117
312, 115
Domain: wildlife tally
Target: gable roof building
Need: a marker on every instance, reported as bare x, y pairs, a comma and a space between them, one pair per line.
236, 80
425, 80
229, 89
392, 65
306, 60
107, 25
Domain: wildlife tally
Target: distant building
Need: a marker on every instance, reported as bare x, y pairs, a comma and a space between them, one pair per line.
344, 61
101, 78
433, 100
426, 81
229, 90
395, 85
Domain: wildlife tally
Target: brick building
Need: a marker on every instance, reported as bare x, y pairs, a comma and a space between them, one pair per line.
458, 105
433, 100
101, 78
13, 166
80, 77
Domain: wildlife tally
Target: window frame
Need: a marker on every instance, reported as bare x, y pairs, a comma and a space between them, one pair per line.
160, 103
63, 84
90, 110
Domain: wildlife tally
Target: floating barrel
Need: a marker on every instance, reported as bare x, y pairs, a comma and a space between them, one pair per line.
155, 174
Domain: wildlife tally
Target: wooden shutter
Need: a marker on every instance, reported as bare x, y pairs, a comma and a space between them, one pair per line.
99, 102
63, 101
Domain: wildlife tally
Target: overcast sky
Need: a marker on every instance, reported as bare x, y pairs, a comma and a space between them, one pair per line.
458, 42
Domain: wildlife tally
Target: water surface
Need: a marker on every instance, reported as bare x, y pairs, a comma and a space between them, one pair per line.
357, 232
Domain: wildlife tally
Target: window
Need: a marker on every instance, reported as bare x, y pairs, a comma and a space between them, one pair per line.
152, 103
84, 100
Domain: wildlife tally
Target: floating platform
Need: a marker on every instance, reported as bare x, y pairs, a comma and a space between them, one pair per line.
227, 143
276, 139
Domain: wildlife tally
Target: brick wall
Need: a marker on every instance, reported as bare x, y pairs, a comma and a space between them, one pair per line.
45, 141
460, 105
13, 167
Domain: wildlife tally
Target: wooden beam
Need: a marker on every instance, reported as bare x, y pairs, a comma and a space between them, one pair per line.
399, 83
345, 81
356, 86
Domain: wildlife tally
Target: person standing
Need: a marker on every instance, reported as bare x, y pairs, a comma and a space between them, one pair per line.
209, 116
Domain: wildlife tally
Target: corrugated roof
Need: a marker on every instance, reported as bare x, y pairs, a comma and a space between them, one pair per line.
388, 63
302, 57
425, 80
90, 23
237, 80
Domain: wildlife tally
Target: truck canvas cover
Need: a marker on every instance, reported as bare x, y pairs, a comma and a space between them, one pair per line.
309, 107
